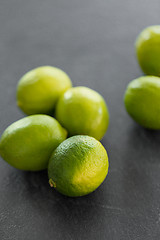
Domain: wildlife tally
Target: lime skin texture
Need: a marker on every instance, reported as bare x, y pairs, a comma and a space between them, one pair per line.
142, 101
83, 111
39, 89
148, 50
78, 166
27, 144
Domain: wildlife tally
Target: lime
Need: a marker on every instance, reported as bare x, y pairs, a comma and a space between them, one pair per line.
39, 89
142, 101
148, 50
78, 166
83, 111
28, 143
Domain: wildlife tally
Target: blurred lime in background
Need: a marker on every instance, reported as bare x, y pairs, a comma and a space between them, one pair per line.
148, 50
142, 101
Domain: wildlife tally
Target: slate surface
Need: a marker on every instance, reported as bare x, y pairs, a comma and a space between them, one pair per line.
93, 41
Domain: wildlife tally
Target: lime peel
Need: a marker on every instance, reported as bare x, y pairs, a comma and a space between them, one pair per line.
78, 166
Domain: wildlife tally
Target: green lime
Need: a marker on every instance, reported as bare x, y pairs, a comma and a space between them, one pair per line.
148, 50
142, 101
28, 143
39, 89
78, 166
83, 111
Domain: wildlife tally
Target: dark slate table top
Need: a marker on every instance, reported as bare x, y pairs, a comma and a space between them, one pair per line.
93, 41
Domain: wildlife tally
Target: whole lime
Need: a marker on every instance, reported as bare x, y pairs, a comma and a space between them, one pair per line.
39, 89
78, 166
148, 50
28, 143
142, 101
83, 111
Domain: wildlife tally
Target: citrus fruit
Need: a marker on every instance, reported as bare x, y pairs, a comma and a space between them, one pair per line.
142, 101
148, 50
78, 166
27, 144
83, 111
39, 89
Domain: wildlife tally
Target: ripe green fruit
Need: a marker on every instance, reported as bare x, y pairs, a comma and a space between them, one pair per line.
39, 89
142, 101
78, 166
28, 143
148, 50
83, 111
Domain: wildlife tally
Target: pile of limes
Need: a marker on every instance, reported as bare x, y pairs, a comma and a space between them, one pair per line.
142, 96
76, 166
79, 164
